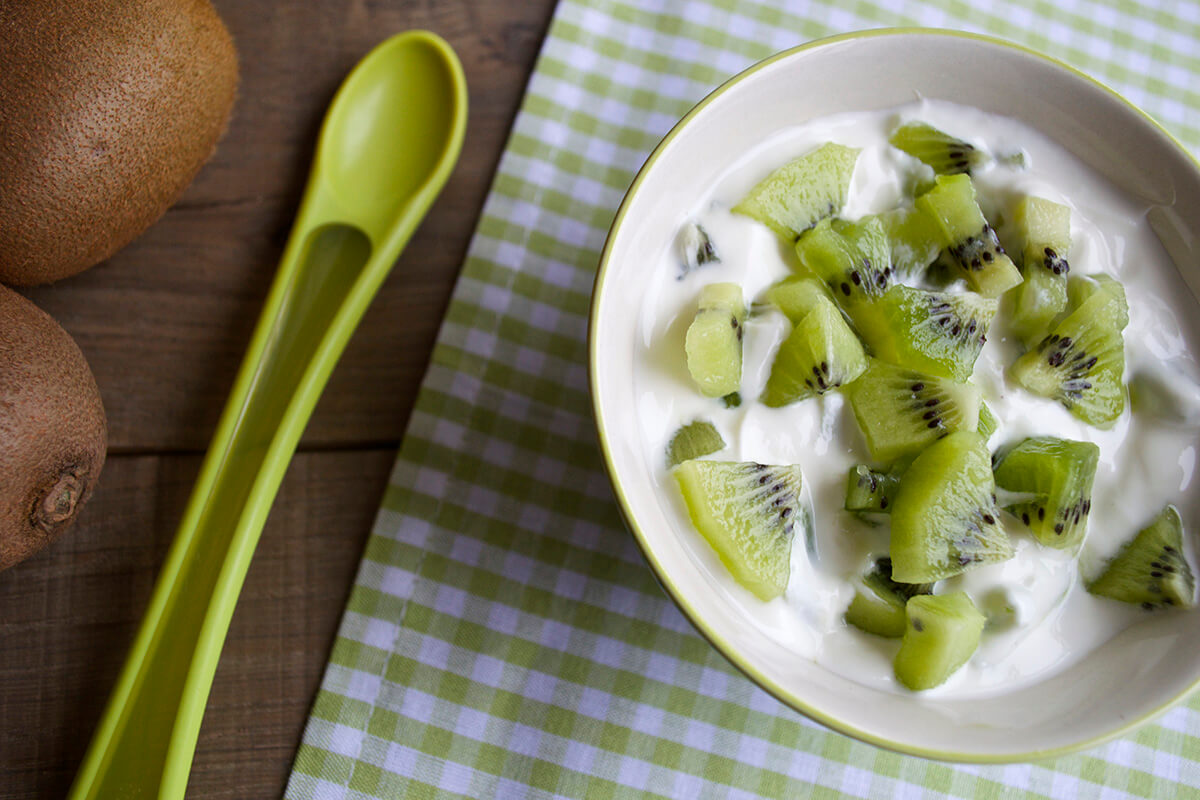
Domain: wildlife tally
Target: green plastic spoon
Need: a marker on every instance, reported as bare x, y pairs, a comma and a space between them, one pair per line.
388, 144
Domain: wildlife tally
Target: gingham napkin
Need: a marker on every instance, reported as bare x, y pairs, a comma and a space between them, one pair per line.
504, 637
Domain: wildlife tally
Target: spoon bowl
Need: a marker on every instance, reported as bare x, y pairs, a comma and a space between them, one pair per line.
384, 131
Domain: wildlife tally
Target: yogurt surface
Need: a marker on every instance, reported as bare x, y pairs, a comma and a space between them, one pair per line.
1045, 619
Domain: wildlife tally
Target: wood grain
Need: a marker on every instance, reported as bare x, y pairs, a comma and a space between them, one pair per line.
164, 324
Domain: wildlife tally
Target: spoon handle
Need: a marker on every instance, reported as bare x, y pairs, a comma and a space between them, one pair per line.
329, 272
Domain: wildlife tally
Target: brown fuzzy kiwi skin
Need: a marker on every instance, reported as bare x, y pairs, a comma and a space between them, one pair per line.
53, 434
110, 108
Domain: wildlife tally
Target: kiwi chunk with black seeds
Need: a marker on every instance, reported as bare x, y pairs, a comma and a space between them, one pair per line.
902, 411
969, 239
803, 191
1043, 230
945, 154
1151, 570
819, 355
697, 438
870, 491
936, 332
945, 519
1058, 473
1081, 363
852, 258
878, 605
942, 634
749, 514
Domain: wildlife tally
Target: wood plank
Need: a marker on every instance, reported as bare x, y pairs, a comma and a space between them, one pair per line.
164, 323
70, 613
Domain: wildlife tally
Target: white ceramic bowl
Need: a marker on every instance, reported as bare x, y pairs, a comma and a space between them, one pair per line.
1136, 675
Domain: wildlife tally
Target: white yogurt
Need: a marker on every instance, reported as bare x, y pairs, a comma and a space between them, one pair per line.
1144, 463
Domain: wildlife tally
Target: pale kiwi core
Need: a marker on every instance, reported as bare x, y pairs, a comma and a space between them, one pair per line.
1051, 622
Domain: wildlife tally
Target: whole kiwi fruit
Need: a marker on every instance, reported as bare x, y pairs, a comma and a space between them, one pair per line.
110, 107
53, 432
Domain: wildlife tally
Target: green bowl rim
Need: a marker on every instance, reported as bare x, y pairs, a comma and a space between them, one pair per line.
730, 653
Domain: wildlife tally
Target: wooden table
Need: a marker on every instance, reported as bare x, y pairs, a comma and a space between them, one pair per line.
164, 324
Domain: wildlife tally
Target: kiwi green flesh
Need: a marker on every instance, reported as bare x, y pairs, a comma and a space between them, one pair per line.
796, 196
1151, 570
796, 297
988, 424
945, 519
713, 344
875, 611
694, 440
1058, 473
1099, 292
935, 332
1040, 297
945, 154
819, 355
871, 491
969, 239
748, 513
915, 240
941, 634
901, 411
878, 605
1081, 363
852, 259
714, 352
722, 296
1040, 224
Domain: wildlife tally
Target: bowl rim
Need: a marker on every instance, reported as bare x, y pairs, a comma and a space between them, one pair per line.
680, 599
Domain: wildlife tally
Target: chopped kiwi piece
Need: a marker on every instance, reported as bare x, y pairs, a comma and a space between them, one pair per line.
1082, 288
942, 634
871, 491
696, 439
748, 512
695, 248
878, 606
902, 411
936, 332
796, 196
852, 258
1081, 362
1036, 302
971, 242
1043, 230
915, 239
946, 154
732, 400
714, 340
1058, 473
795, 297
988, 424
1151, 570
945, 519
821, 353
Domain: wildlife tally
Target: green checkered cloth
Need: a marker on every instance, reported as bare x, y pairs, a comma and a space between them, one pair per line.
504, 637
